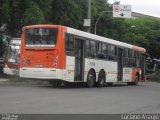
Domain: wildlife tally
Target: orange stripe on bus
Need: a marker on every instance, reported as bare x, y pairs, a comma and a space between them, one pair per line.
139, 48
134, 73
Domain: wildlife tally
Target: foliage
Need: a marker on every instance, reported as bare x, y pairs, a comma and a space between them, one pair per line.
157, 76
69, 12
144, 32
33, 15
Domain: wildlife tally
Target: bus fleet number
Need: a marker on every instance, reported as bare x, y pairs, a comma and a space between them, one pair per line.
92, 64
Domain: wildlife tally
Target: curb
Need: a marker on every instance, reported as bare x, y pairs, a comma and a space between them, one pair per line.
8, 81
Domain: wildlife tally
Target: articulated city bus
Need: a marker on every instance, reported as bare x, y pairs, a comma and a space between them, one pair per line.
11, 65
63, 54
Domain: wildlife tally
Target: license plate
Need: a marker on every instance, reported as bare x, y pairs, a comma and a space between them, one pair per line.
39, 66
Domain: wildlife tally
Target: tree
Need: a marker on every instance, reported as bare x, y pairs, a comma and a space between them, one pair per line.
5, 11
0, 12
146, 33
10, 16
68, 12
17, 13
33, 15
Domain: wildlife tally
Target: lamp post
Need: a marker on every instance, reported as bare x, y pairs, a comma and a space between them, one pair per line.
95, 30
89, 15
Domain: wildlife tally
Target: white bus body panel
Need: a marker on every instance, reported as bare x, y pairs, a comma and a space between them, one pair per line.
70, 66
127, 74
41, 73
109, 67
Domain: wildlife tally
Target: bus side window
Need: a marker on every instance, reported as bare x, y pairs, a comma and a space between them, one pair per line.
93, 48
126, 59
101, 50
70, 45
90, 48
87, 48
134, 58
99, 47
139, 60
112, 52
129, 58
104, 50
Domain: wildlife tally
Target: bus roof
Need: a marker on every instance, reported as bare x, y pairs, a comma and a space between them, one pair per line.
89, 36
103, 39
41, 26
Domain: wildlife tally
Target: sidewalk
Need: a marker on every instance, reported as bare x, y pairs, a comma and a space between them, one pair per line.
15, 81
3, 80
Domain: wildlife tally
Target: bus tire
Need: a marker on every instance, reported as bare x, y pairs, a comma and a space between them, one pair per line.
91, 79
101, 79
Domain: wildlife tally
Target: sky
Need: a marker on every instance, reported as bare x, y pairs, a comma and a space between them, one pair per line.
148, 7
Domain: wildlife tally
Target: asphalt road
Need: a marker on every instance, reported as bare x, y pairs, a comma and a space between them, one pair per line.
144, 98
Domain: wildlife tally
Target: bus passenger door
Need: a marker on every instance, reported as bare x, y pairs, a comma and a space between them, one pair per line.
120, 64
79, 60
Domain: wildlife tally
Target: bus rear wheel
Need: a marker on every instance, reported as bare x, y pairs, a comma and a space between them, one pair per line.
90, 79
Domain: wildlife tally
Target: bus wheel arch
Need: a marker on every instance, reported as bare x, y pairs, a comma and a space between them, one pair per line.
136, 79
91, 78
101, 78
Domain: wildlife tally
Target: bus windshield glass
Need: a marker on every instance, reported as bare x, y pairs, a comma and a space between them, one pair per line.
41, 37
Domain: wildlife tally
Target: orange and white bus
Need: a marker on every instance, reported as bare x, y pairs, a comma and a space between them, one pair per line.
11, 63
63, 54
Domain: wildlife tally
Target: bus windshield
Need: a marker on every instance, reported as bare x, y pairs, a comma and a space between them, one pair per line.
41, 37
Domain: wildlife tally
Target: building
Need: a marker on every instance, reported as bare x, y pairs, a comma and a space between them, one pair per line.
138, 15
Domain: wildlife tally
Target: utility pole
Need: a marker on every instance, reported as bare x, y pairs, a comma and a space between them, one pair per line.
89, 15
95, 28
